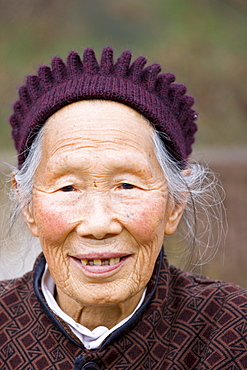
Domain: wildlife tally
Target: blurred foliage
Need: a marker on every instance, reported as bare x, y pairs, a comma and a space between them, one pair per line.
202, 41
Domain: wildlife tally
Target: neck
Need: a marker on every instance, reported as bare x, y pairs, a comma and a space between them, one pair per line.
98, 315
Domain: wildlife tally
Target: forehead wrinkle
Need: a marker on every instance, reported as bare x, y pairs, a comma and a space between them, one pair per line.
80, 133
76, 143
141, 166
98, 132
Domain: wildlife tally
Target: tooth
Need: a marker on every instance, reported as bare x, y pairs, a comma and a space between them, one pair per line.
113, 261
97, 262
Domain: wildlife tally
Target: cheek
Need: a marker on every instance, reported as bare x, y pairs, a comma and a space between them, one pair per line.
147, 221
52, 220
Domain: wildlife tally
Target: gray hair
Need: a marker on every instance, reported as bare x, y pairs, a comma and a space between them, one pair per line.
201, 227
203, 224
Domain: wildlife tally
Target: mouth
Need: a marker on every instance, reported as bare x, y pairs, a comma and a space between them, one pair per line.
101, 262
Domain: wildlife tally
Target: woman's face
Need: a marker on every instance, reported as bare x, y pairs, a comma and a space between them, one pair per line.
100, 202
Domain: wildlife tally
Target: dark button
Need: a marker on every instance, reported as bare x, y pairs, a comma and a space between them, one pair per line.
90, 366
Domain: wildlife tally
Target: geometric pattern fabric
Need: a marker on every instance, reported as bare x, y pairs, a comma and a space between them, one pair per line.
186, 322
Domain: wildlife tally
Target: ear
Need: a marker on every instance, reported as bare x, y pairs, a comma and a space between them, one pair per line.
29, 219
174, 216
26, 210
176, 210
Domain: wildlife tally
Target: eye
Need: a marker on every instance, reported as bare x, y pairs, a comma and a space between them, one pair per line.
67, 188
126, 186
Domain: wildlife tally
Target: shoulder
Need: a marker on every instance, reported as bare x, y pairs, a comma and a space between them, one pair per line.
197, 282
16, 290
22, 286
214, 312
201, 285
216, 300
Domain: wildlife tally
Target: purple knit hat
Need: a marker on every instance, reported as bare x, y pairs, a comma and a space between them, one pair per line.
146, 90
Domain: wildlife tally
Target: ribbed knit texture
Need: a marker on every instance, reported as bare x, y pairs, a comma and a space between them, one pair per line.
153, 94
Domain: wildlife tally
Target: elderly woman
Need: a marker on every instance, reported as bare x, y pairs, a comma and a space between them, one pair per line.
103, 176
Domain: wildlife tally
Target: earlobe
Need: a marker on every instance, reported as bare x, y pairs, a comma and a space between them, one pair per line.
174, 218
29, 220
177, 209
25, 209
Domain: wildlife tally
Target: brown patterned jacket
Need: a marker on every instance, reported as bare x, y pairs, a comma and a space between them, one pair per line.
186, 322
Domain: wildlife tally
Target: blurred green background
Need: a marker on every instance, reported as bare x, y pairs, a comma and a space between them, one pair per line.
204, 42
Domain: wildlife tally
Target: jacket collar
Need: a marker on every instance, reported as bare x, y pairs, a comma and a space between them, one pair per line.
160, 273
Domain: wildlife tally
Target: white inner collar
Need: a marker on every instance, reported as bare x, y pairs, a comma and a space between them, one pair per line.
90, 339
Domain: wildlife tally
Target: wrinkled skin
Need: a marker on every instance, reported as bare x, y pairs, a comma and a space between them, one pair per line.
99, 193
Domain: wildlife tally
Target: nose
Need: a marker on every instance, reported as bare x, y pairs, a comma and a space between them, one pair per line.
100, 220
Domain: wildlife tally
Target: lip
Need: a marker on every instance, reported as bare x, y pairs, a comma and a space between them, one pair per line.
103, 270
101, 256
